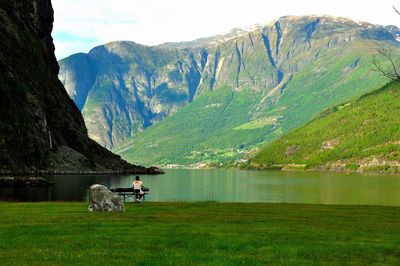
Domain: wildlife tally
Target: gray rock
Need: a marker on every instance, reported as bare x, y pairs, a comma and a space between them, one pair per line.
103, 200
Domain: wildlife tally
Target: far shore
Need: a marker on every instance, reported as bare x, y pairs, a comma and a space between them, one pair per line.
378, 169
146, 171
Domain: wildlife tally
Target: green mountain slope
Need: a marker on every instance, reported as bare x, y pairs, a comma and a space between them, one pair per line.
223, 124
360, 135
124, 87
215, 99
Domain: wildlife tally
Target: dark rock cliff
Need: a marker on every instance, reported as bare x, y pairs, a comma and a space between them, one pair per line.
40, 126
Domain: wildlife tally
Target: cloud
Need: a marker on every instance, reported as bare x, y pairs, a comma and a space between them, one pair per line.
82, 24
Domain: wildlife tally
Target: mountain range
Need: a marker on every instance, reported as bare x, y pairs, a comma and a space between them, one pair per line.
215, 100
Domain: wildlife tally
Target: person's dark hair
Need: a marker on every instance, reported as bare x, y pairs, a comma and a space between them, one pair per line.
137, 177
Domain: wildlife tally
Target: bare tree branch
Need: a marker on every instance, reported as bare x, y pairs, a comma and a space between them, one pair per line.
390, 72
395, 10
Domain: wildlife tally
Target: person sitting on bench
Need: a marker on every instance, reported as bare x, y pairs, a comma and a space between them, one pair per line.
137, 186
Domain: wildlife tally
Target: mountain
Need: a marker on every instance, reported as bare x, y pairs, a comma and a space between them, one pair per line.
215, 99
41, 129
361, 135
124, 87
394, 30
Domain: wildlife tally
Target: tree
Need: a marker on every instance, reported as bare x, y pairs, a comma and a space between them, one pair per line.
391, 71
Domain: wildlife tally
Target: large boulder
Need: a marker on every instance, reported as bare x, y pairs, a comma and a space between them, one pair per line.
103, 200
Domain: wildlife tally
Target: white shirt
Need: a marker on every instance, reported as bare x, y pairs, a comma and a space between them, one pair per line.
137, 184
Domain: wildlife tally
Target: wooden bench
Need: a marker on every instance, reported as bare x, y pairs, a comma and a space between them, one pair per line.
129, 192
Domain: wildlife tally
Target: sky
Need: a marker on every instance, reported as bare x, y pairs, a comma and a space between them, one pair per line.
81, 25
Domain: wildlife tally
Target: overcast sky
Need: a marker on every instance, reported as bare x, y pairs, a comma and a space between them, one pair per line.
82, 24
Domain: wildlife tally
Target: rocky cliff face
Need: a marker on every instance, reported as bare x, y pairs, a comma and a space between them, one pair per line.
123, 88
40, 126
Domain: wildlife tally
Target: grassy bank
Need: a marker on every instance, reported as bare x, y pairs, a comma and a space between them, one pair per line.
198, 233
361, 135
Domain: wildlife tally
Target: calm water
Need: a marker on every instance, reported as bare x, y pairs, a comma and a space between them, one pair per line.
231, 186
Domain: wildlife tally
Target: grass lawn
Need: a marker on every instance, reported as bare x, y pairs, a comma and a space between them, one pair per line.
198, 234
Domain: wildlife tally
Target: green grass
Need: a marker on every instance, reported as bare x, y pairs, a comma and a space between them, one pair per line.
198, 234
358, 130
200, 131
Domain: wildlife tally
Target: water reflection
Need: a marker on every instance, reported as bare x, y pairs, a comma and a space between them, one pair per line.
231, 186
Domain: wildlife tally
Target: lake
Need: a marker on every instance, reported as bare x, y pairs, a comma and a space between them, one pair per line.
223, 185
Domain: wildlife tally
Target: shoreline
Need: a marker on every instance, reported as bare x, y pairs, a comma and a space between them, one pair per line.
281, 168
148, 171
316, 170
210, 203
